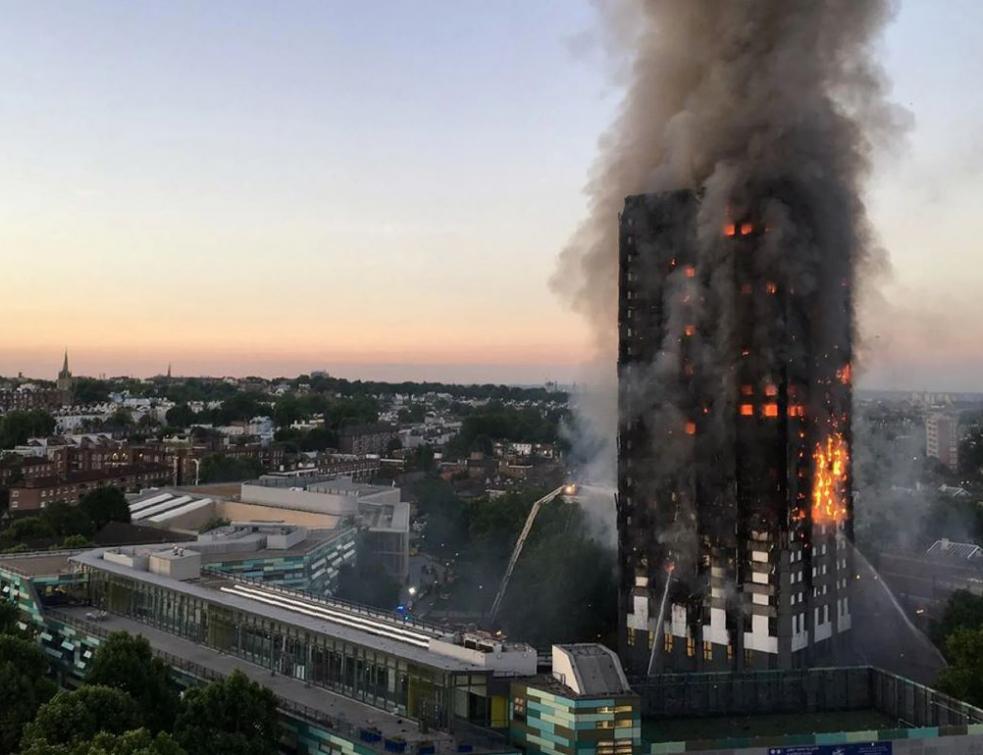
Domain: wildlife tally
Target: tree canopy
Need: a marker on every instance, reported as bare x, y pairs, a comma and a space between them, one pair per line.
104, 505
24, 688
963, 677
70, 718
136, 742
127, 663
233, 715
17, 426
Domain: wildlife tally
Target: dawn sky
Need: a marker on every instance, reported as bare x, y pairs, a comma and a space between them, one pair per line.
380, 189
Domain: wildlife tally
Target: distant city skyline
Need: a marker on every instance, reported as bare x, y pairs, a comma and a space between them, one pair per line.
380, 191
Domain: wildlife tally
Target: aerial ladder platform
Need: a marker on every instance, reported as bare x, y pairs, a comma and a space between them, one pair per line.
568, 489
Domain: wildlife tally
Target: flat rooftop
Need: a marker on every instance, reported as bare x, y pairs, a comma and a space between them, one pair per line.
38, 565
382, 634
765, 725
286, 688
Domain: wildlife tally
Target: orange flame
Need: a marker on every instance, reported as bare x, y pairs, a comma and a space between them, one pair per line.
829, 483
845, 374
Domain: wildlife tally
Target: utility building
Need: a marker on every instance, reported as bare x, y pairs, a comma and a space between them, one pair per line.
734, 504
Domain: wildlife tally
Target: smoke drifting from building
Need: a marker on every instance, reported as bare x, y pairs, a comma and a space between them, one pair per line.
722, 97
746, 134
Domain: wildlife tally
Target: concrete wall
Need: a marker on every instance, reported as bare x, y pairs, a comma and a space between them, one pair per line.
235, 511
321, 503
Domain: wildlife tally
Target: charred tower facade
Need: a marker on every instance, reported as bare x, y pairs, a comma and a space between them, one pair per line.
734, 503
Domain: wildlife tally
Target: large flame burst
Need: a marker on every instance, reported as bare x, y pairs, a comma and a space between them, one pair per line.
829, 483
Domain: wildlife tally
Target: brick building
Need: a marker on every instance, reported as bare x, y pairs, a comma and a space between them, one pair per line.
37, 493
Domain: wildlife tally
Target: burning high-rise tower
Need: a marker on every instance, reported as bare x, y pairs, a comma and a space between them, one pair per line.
734, 504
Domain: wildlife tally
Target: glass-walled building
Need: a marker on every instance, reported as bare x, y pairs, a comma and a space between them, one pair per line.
405, 668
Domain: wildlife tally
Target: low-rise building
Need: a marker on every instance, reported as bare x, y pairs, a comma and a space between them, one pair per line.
38, 493
366, 439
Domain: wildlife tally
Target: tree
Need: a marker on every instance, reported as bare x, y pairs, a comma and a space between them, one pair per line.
180, 416
137, 742
233, 715
286, 411
27, 529
104, 505
127, 663
9, 616
963, 611
91, 391
75, 717
963, 678
222, 468
121, 418
24, 688
66, 520
17, 426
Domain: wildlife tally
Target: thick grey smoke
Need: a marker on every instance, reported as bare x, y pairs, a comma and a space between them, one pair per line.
770, 106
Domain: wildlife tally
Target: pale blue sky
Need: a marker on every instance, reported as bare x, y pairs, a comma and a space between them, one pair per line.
275, 187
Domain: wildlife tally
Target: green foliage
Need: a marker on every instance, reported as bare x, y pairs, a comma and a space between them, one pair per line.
498, 422
234, 715
199, 389
239, 407
24, 688
75, 541
963, 678
29, 528
104, 505
564, 588
136, 742
963, 611
9, 616
71, 718
17, 426
65, 520
62, 522
222, 468
415, 412
180, 416
127, 663
214, 523
91, 391
121, 418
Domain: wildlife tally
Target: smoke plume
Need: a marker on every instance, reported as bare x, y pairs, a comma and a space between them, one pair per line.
771, 106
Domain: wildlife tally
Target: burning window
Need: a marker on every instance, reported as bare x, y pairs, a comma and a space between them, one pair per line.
689, 329
829, 484
796, 410
730, 229
769, 410
746, 229
747, 410
691, 428
690, 271
771, 287
771, 390
845, 374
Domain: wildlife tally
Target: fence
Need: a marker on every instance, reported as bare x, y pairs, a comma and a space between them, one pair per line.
802, 690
